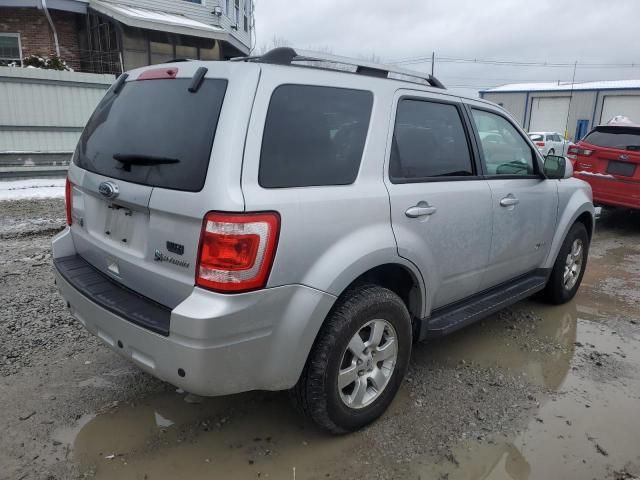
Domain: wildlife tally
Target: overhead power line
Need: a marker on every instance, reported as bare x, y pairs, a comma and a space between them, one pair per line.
513, 63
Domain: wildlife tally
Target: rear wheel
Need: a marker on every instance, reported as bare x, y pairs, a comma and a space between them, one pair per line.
569, 267
357, 362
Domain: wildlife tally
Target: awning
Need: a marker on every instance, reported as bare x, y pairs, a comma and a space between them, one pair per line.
164, 22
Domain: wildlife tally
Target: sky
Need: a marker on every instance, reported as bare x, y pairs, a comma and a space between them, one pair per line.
561, 31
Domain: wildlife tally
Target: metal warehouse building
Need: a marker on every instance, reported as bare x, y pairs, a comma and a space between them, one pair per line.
545, 107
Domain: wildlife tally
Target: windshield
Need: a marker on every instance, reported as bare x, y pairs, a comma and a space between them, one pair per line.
154, 132
625, 138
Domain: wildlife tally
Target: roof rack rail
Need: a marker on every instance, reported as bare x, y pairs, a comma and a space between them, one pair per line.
178, 60
289, 56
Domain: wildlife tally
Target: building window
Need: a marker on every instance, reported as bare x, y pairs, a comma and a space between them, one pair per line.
236, 11
227, 8
246, 15
10, 49
193, 1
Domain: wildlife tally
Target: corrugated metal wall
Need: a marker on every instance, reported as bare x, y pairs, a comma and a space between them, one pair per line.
582, 106
42, 114
45, 110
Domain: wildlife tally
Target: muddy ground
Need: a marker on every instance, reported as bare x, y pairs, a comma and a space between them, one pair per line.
534, 392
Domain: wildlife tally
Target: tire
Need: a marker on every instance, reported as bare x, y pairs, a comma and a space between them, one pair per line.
557, 291
317, 394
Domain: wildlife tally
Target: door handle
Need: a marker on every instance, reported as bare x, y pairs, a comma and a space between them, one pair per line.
422, 209
509, 201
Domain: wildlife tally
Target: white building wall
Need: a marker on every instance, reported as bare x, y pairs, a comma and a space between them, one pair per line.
514, 103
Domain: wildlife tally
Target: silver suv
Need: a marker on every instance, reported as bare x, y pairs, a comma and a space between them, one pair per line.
296, 221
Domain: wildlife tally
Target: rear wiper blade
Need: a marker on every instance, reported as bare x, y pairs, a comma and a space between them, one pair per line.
129, 159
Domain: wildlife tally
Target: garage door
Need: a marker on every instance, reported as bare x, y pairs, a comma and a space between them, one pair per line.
549, 114
627, 105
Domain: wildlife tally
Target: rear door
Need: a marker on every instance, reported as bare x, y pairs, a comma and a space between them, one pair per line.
143, 173
440, 204
524, 203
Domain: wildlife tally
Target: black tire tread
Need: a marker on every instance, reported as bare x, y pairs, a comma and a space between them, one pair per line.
308, 395
554, 292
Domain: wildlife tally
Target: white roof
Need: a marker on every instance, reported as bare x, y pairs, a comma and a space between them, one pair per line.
162, 21
563, 86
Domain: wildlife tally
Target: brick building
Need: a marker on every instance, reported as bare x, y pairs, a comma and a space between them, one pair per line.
35, 35
102, 36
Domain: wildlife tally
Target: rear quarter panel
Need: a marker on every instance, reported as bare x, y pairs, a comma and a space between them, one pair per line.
329, 234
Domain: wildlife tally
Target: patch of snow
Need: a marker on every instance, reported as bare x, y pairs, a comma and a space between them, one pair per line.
562, 86
154, 16
32, 189
595, 174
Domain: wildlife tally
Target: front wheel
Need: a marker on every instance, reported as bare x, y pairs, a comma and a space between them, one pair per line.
569, 267
358, 361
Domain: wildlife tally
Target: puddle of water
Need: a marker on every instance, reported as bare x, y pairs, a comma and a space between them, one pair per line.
491, 344
258, 435
580, 433
244, 436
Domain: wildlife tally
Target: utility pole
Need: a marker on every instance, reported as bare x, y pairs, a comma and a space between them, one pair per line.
573, 81
433, 62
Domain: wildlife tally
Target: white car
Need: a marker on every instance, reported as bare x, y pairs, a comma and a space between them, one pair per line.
549, 143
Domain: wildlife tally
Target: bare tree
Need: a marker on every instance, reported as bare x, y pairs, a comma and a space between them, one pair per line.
275, 42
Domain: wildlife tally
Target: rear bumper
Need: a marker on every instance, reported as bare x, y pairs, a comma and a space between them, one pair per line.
217, 344
608, 190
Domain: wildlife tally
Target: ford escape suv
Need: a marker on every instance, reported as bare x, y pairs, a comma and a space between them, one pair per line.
296, 222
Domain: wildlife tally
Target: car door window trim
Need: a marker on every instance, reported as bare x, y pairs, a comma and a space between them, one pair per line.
473, 153
536, 163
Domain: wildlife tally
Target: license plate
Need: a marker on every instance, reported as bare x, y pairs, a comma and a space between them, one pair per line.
621, 168
119, 224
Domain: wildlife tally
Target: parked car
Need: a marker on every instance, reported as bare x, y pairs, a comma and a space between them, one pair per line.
271, 225
609, 159
549, 143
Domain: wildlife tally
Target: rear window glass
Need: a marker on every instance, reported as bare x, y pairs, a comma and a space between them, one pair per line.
536, 137
428, 141
615, 137
314, 136
154, 132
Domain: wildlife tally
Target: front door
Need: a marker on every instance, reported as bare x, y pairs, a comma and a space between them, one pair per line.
524, 202
440, 204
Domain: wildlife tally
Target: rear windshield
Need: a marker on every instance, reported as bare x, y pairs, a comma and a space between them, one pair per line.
535, 137
624, 138
154, 132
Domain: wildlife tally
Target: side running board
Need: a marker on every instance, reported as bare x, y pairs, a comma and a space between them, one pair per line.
452, 317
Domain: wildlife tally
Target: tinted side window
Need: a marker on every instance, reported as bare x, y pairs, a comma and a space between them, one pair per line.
428, 141
313, 136
505, 151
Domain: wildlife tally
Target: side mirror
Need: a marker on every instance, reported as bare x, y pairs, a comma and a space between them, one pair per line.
556, 167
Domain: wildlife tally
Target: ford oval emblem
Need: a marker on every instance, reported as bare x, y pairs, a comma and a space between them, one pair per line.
108, 189
624, 158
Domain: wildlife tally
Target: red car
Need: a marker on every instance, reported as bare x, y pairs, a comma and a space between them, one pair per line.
608, 158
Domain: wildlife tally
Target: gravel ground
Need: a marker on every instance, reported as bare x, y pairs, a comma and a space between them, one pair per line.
71, 408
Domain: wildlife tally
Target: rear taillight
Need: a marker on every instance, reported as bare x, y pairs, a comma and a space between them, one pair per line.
236, 250
68, 200
574, 151
540, 144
